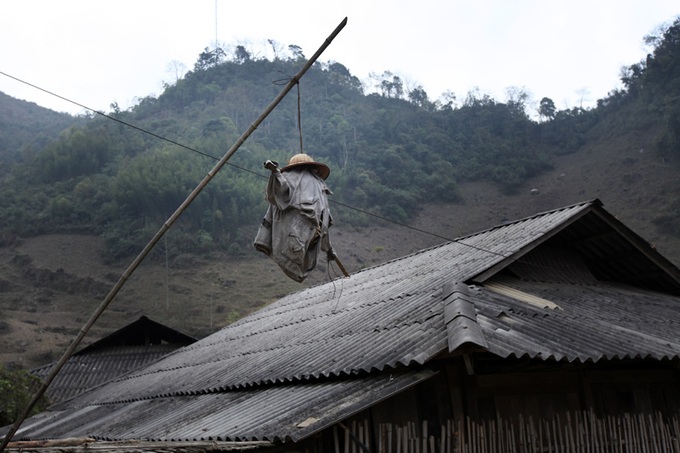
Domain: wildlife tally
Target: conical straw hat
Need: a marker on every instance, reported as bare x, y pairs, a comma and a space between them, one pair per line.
302, 159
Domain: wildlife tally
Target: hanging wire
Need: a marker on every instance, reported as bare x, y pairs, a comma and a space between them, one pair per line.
332, 279
299, 106
299, 117
125, 123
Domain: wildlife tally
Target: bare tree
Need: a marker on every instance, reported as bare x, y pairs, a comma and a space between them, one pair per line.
446, 101
177, 69
276, 48
517, 98
583, 95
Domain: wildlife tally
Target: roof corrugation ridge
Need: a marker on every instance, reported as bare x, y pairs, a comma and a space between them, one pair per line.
579, 332
576, 206
609, 307
209, 364
297, 323
319, 313
389, 287
459, 240
341, 369
84, 371
203, 370
460, 317
240, 415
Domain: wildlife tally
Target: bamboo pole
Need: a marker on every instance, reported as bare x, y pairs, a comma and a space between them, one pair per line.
628, 429
469, 436
664, 433
482, 427
449, 429
511, 430
425, 437
336, 443
405, 443
360, 432
399, 449
389, 438
168, 223
442, 438
381, 438
460, 435
367, 434
548, 436
532, 434
568, 433
615, 434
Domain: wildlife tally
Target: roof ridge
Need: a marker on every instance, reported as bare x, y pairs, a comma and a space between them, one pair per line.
594, 202
459, 239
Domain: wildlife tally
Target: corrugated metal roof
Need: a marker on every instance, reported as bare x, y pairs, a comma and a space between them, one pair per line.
264, 413
336, 336
594, 322
137, 344
85, 371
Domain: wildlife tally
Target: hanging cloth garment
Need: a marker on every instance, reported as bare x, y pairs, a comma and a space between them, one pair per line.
295, 226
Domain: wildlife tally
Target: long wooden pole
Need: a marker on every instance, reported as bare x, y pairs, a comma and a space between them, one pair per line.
168, 223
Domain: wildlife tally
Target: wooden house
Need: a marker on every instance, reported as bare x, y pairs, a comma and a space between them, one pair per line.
557, 332
137, 344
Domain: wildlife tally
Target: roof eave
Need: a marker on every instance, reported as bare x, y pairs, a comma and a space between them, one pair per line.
77, 445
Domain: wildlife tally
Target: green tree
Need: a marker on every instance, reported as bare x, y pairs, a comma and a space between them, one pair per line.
209, 58
546, 109
241, 54
392, 86
17, 388
296, 51
418, 96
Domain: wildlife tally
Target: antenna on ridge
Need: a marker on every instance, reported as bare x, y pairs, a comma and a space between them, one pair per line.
216, 41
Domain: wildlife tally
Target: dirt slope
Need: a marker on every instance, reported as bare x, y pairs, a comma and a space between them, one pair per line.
51, 285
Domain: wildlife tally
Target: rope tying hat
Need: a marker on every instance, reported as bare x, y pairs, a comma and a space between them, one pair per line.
302, 159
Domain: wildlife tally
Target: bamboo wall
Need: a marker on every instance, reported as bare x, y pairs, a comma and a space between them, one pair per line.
573, 432
553, 410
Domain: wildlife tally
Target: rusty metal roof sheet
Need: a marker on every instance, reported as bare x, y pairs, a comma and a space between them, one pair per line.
340, 336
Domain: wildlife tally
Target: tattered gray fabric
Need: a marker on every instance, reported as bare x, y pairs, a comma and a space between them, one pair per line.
295, 226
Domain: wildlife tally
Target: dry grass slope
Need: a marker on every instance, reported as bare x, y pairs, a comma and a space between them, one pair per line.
50, 285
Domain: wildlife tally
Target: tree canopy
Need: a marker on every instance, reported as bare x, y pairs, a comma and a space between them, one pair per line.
391, 148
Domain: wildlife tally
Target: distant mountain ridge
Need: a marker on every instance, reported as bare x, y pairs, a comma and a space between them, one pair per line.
26, 124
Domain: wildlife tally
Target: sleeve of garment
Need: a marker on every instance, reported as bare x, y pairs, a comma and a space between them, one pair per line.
326, 242
279, 191
326, 222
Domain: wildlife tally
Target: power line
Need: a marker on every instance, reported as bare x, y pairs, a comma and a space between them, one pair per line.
188, 148
125, 123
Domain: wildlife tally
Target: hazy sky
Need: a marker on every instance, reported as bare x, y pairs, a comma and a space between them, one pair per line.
96, 52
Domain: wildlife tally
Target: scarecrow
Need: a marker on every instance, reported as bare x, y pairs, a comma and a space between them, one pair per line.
295, 226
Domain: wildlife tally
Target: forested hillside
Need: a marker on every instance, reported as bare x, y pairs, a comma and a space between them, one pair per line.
390, 150
26, 128
80, 195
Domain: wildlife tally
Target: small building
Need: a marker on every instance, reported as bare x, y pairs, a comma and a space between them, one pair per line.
556, 332
139, 343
